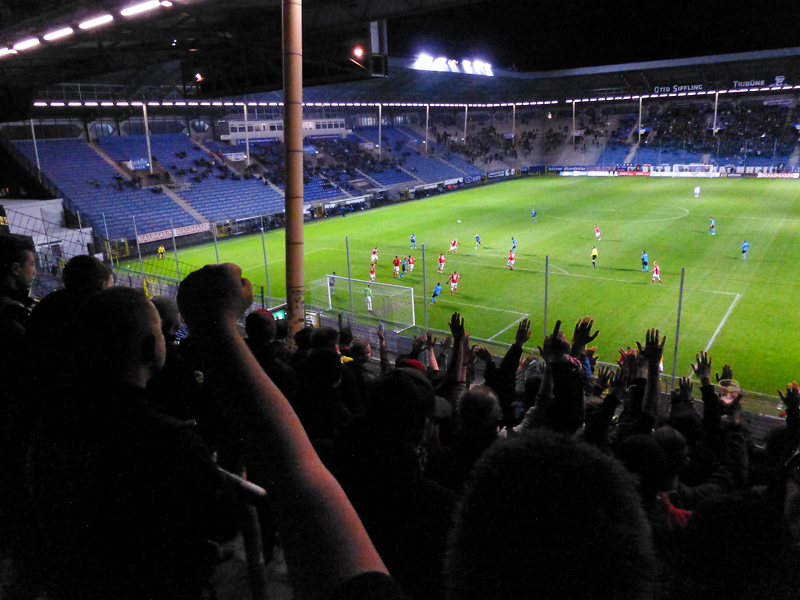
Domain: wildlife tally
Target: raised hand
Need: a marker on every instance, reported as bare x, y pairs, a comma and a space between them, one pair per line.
627, 362
591, 354
604, 375
653, 349
418, 345
618, 384
457, 327
683, 393
430, 340
527, 362
381, 338
483, 353
792, 398
446, 343
703, 368
727, 373
523, 332
214, 296
582, 336
554, 345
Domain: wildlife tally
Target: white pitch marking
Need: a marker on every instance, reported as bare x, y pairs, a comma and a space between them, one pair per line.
513, 312
507, 328
722, 323
547, 214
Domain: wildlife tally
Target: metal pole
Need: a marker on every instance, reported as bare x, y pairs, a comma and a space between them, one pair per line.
36, 152
466, 109
138, 246
514, 127
427, 118
349, 275
246, 133
640, 120
546, 282
266, 268
216, 246
80, 225
677, 332
380, 130
293, 138
175, 250
147, 137
573, 125
105, 225
262, 296
44, 228
425, 287
716, 103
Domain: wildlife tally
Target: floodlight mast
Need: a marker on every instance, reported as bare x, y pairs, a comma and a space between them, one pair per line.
293, 139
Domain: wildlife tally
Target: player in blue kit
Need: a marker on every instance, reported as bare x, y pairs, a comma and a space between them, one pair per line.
413, 241
533, 215
436, 291
644, 261
712, 226
477, 241
513, 244
745, 248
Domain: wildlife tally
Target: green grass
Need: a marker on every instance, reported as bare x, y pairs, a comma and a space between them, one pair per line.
662, 216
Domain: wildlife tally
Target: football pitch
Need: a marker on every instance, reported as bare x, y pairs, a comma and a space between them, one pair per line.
742, 311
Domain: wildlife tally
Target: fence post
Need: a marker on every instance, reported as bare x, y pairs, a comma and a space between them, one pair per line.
138, 247
266, 268
175, 250
349, 275
546, 276
216, 246
424, 286
677, 331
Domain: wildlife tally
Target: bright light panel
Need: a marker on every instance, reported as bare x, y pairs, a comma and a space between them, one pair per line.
96, 22
6, 51
140, 8
59, 33
24, 45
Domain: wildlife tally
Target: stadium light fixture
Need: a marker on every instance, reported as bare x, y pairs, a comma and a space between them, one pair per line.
40, 103
6, 52
123, 103
56, 104
166, 104
166, 3
25, 44
75, 104
90, 103
358, 52
140, 8
153, 104
96, 22
106, 104
58, 33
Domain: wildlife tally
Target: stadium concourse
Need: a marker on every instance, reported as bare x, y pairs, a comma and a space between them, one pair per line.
143, 459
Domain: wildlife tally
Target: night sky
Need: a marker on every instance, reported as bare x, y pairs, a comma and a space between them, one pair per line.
540, 36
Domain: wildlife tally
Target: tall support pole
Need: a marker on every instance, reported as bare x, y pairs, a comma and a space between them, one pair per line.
44, 228
216, 245
427, 120
677, 332
293, 138
175, 250
349, 275
138, 246
514, 125
466, 111
80, 225
246, 134
105, 226
640, 119
266, 268
36, 152
546, 283
147, 137
716, 104
380, 129
573, 125
425, 287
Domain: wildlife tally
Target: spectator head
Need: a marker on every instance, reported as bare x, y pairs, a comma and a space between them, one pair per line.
282, 330
685, 419
360, 351
345, 337
643, 457
260, 326
325, 366
17, 263
568, 410
118, 337
302, 338
86, 275
479, 412
562, 520
325, 337
675, 449
170, 317
401, 401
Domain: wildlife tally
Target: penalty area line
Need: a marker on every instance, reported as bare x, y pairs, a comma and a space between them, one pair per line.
277, 260
509, 327
722, 323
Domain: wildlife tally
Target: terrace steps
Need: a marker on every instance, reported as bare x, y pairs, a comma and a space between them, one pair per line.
632, 153
201, 218
795, 157
109, 160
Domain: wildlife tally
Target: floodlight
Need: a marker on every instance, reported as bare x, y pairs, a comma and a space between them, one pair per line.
56, 104
358, 52
25, 44
96, 22
40, 103
6, 51
198, 77
166, 3
140, 8
106, 104
153, 104
75, 104
90, 103
59, 33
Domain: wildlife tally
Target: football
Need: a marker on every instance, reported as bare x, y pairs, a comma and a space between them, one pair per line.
459, 220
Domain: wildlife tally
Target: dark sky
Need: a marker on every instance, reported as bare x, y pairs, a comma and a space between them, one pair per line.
541, 36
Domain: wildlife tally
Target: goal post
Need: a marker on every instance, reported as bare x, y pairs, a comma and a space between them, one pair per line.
391, 304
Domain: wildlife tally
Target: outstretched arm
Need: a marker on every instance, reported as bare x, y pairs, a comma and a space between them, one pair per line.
651, 354
324, 539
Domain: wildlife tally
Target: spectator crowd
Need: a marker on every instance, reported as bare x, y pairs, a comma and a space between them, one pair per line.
130, 459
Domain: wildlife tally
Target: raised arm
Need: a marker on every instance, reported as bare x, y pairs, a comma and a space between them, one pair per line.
324, 539
651, 354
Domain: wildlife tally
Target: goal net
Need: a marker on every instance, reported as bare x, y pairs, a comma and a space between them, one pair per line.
392, 304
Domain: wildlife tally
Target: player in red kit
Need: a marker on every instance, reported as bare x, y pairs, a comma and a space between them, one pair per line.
454, 246
411, 261
372, 273
396, 263
656, 274
454, 282
510, 262
441, 263
597, 232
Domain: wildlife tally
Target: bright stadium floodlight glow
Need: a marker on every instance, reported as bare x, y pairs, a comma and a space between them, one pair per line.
106, 104
58, 33
166, 3
122, 103
358, 52
40, 103
423, 63
75, 104
166, 104
96, 22
90, 103
56, 104
6, 52
140, 8
153, 104
440, 64
25, 44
